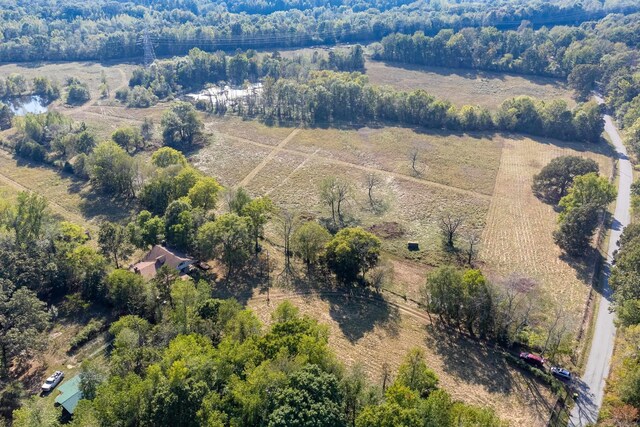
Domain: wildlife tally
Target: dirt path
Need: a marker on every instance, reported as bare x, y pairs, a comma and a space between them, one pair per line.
247, 179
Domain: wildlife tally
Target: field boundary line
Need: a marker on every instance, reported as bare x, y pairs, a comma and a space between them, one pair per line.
397, 175
278, 148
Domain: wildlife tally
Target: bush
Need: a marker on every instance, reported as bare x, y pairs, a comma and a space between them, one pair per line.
140, 97
80, 166
77, 94
86, 334
31, 150
122, 94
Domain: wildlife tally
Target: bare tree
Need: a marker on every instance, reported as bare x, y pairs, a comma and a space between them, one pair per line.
472, 238
334, 192
373, 180
413, 156
287, 220
386, 375
449, 224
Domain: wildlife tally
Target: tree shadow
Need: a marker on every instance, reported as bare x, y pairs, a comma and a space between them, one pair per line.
95, 205
242, 283
360, 310
469, 359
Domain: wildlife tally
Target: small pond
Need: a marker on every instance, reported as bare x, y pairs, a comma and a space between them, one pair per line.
23, 105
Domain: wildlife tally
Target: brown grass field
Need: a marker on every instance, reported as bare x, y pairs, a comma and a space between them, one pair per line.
466, 87
485, 177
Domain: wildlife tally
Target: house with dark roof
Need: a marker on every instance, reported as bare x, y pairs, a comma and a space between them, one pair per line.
159, 256
70, 394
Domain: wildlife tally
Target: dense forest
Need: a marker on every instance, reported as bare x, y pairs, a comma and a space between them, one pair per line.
73, 30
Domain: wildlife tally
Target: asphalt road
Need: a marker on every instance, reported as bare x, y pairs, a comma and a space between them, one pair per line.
592, 383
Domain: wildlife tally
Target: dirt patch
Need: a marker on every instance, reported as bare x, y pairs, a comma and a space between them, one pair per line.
387, 230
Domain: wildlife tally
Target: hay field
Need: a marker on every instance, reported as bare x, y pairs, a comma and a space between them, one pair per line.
370, 334
463, 87
517, 238
68, 198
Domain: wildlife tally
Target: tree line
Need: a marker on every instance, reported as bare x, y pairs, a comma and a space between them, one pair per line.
103, 30
599, 56
342, 97
624, 401
168, 78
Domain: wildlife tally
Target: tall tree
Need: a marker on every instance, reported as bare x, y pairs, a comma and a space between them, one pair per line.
113, 241
181, 124
555, 179
351, 252
23, 317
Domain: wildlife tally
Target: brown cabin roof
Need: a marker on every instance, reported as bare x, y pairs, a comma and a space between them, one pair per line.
159, 256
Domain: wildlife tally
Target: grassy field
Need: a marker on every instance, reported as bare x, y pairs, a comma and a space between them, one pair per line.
117, 74
484, 177
463, 87
517, 238
372, 334
68, 198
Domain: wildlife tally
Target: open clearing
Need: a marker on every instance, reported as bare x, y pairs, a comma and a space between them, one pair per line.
466, 87
485, 177
370, 334
517, 238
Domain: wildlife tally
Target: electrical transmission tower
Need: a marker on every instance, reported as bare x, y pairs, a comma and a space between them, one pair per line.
149, 54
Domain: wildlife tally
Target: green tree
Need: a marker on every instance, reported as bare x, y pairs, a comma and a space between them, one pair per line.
311, 399
309, 241
443, 294
91, 376
259, 211
400, 408
181, 124
128, 138
23, 319
113, 241
589, 189
179, 225
127, 291
37, 412
28, 218
414, 374
6, 116
204, 193
576, 229
555, 179
352, 251
167, 156
112, 170
229, 235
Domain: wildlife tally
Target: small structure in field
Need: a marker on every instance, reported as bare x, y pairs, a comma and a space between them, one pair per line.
413, 246
159, 256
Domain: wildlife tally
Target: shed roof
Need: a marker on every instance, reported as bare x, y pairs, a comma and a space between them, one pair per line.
70, 394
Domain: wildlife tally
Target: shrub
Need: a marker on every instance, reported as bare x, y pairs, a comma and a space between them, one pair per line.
86, 334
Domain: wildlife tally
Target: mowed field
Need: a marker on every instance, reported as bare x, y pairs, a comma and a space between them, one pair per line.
466, 87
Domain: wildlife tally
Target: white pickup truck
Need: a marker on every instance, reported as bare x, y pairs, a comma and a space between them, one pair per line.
52, 381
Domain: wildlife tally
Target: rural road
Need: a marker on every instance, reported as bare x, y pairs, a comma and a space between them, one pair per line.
592, 383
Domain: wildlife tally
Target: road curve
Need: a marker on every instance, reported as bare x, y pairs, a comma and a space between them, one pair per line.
592, 383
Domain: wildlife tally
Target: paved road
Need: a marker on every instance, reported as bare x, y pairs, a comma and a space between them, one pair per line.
593, 381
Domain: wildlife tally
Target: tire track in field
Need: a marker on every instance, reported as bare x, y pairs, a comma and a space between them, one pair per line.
367, 168
278, 148
56, 207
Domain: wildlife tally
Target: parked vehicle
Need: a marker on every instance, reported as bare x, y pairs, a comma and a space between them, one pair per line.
532, 359
52, 381
561, 373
